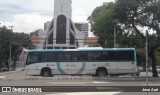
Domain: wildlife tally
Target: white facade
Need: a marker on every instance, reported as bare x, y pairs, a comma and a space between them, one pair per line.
62, 7
61, 31
42, 37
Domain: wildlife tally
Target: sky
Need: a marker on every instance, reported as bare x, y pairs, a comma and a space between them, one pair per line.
29, 15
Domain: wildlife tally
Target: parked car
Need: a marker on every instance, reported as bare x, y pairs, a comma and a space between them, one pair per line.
4, 69
158, 69
150, 69
140, 68
138, 71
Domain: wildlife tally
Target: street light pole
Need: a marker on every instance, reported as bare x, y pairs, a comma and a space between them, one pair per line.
114, 36
10, 56
10, 52
147, 59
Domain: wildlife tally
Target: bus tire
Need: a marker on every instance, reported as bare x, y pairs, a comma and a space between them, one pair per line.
46, 72
101, 72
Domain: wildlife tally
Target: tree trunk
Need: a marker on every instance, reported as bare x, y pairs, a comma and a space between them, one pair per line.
154, 70
14, 63
7, 64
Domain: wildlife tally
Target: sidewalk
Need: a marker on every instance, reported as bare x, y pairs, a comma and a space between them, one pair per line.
7, 72
2, 77
86, 93
2, 74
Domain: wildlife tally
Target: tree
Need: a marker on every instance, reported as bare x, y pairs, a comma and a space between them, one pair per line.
20, 41
129, 18
102, 24
5, 37
132, 14
17, 41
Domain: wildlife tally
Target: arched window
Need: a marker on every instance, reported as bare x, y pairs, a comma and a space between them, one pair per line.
61, 30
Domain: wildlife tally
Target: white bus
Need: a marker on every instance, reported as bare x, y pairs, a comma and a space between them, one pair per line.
81, 61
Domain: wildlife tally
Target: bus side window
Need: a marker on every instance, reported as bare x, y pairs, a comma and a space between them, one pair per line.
33, 58
82, 56
74, 56
125, 55
51, 57
44, 57
78, 56
93, 56
64, 56
108, 56
48, 57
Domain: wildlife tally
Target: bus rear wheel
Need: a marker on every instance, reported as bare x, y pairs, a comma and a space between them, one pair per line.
46, 73
101, 72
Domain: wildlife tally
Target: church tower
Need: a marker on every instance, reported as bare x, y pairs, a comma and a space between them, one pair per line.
61, 33
63, 6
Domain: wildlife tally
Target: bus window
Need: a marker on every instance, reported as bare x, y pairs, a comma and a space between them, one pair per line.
93, 56
125, 55
33, 58
64, 56
78, 56
48, 57
107, 56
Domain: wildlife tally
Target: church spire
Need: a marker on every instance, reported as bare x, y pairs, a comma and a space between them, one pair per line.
62, 7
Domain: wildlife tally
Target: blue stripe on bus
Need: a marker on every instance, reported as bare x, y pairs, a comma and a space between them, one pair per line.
82, 68
49, 50
104, 49
79, 71
59, 68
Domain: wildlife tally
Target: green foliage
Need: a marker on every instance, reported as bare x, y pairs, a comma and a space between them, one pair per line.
5, 37
128, 16
102, 24
141, 13
158, 56
141, 58
17, 41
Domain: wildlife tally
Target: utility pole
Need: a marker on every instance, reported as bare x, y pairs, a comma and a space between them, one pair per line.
10, 52
147, 59
114, 36
10, 56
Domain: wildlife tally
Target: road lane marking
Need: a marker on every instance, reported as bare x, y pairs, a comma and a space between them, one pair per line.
100, 82
65, 82
152, 84
2, 77
95, 82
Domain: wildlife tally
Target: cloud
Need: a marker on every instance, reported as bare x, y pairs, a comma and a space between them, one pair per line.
79, 15
25, 15
27, 6
29, 15
27, 22
40, 5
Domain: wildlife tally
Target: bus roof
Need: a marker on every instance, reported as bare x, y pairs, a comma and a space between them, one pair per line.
80, 49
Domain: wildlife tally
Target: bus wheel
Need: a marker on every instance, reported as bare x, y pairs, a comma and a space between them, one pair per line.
46, 73
101, 72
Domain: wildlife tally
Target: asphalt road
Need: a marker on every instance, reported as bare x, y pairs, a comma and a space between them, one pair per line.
75, 85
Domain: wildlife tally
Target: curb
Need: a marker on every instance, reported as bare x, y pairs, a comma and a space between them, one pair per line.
2, 77
95, 78
128, 79
8, 72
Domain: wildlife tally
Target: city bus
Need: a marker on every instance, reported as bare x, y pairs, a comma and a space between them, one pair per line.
100, 62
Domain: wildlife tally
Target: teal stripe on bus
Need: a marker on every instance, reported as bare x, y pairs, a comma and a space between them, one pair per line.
49, 50
87, 49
